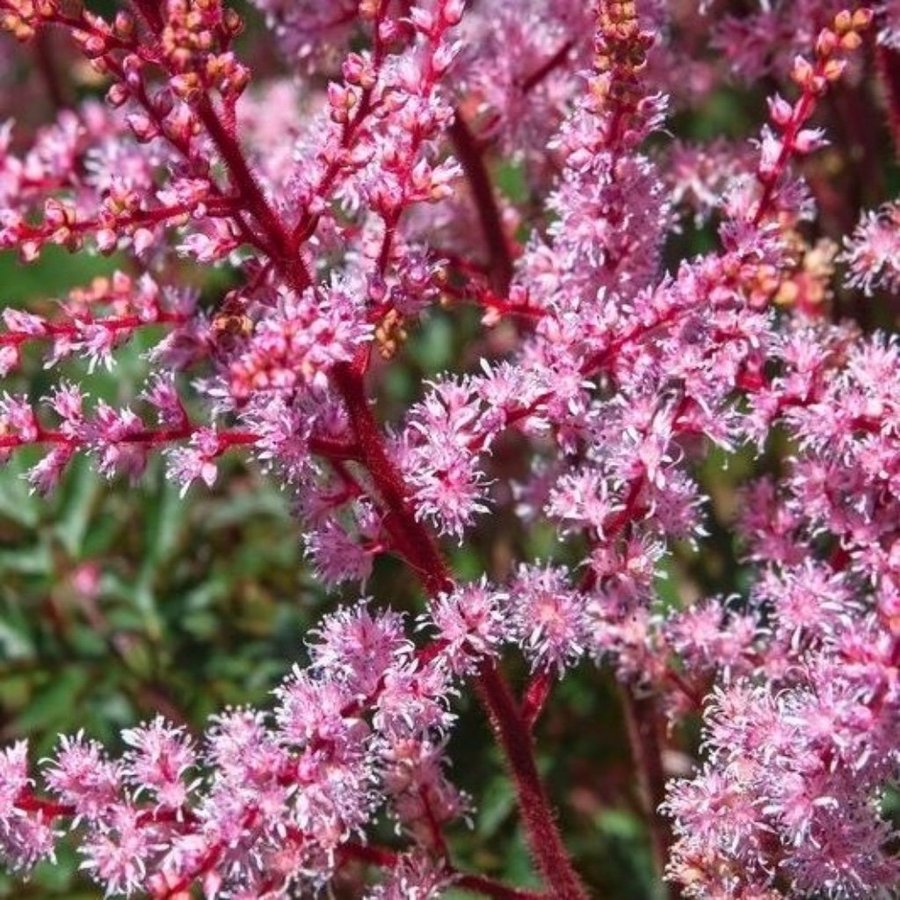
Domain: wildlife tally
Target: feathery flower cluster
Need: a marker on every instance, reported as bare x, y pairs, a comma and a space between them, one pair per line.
611, 367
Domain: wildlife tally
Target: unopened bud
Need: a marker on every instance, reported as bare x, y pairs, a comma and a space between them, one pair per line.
843, 21
827, 42
802, 72
834, 68
862, 18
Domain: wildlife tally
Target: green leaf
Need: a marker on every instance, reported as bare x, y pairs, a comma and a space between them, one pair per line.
52, 705
34, 560
495, 806
511, 182
17, 503
15, 640
78, 494
53, 274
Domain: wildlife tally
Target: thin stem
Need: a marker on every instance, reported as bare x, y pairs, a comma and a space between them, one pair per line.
386, 858
57, 90
412, 540
554, 62
514, 737
469, 153
888, 62
245, 181
641, 721
490, 888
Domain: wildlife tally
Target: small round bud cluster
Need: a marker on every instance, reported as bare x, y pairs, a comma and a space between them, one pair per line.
195, 40
21, 18
621, 53
844, 36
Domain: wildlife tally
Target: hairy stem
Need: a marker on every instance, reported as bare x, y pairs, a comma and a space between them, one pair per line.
888, 62
643, 735
515, 739
418, 546
501, 264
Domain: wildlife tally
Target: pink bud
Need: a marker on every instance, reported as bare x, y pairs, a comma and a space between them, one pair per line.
780, 110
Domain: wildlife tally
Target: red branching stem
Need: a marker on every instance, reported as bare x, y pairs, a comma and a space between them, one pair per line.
183, 146
153, 436
369, 853
32, 803
496, 306
419, 548
490, 888
74, 328
385, 858
800, 114
233, 156
56, 89
206, 864
515, 738
678, 681
29, 802
352, 130
541, 73
334, 450
438, 841
412, 540
618, 520
472, 161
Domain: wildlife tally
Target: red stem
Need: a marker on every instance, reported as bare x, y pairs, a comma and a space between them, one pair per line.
145, 436
642, 724
535, 698
286, 257
385, 858
472, 161
515, 738
888, 63
71, 329
491, 888
412, 540
56, 89
539, 74
801, 113
419, 548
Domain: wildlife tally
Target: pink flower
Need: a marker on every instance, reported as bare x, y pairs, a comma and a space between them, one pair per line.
873, 249
547, 617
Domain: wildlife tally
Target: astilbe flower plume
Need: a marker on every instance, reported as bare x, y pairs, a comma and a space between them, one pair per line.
346, 198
